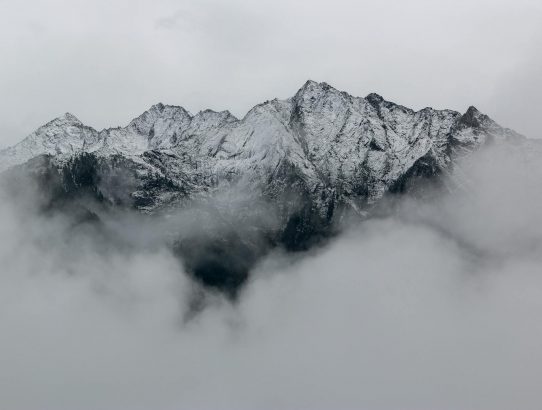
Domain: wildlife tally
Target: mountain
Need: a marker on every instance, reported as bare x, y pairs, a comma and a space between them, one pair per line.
285, 173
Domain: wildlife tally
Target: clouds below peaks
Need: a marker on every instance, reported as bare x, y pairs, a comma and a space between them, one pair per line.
434, 305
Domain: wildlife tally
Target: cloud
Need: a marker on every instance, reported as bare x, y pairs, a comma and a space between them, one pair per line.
435, 304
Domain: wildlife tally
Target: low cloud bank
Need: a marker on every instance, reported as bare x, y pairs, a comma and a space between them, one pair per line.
435, 305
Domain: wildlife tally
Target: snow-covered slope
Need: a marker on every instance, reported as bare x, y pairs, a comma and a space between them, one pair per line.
336, 145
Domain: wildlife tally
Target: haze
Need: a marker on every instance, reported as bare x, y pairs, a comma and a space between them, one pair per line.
435, 305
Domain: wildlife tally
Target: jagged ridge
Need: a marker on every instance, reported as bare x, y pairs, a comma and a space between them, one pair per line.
313, 155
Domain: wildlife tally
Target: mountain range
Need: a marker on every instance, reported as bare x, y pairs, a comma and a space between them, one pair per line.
284, 175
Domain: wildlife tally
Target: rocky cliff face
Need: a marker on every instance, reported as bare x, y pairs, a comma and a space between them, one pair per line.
303, 162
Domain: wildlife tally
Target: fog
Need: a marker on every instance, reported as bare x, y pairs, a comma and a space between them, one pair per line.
435, 304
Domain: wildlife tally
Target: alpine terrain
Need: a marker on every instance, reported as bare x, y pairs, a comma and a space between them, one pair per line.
225, 190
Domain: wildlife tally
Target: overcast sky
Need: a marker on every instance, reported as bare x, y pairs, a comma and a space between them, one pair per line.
107, 61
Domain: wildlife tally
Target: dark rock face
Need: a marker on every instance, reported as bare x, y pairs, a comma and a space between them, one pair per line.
220, 262
220, 258
425, 171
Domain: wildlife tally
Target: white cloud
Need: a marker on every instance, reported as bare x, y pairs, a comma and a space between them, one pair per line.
434, 306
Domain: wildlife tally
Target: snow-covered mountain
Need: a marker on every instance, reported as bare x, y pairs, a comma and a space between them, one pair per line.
313, 156
362, 146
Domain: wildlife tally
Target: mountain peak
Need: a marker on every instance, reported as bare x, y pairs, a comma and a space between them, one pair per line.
314, 90
157, 111
157, 107
311, 85
166, 108
374, 99
471, 117
472, 110
68, 117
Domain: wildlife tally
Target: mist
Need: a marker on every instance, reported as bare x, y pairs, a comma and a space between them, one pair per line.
433, 304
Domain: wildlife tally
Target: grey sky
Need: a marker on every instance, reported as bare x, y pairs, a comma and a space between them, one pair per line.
108, 61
